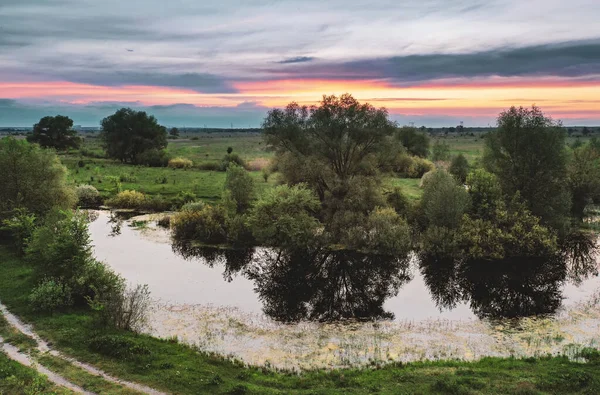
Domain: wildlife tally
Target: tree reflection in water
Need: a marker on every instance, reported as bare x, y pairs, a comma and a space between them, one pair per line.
508, 288
327, 285
321, 285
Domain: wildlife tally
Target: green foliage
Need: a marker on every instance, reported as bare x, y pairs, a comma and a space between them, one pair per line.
123, 308
174, 132
384, 232
239, 186
440, 151
180, 163
50, 296
329, 145
184, 198
128, 199
127, 133
415, 142
512, 232
285, 217
444, 201
485, 191
207, 225
412, 166
528, 154
230, 159
60, 248
584, 178
20, 226
118, 347
152, 157
31, 178
55, 132
398, 201
459, 168
193, 206
87, 196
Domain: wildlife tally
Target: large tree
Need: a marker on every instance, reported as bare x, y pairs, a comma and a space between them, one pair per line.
128, 133
31, 178
328, 144
55, 132
527, 153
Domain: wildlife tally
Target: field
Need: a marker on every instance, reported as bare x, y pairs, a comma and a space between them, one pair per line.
88, 166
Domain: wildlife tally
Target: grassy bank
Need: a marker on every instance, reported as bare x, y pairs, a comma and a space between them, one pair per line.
176, 368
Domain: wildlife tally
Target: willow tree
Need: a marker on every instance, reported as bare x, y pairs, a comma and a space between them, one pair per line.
333, 147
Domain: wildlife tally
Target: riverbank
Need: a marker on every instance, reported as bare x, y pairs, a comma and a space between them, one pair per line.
177, 368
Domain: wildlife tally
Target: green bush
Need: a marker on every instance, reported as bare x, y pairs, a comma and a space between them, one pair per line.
398, 201
285, 217
118, 347
153, 158
20, 227
50, 296
180, 163
440, 151
412, 166
128, 199
444, 201
239, 189
123, 308
207, 225
231, 158
193, 206
459, 168
87, 196
184, 197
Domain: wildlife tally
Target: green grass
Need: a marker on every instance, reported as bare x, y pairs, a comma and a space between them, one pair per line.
82, 378
179, 369
16, 379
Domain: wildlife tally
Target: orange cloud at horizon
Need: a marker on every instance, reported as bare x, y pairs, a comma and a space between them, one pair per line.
558, 97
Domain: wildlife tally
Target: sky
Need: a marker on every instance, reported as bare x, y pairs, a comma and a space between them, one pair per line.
223, 63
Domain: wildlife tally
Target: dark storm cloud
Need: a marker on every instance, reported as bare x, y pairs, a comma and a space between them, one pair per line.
574, 59
298, 59
204, 83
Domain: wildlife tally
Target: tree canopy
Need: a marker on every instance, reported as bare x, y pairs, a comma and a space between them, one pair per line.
32, 178
415, 142
127, 133
337, 138
528, 154
55, 132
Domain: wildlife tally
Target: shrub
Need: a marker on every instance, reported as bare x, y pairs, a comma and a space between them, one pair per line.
193, 206
128, 199
119, 347
180, 163
153, 158
210, 166
239, 188
206, 225
419, 167
384, 232
412, 166
164, 221
459, 168
127, 178
444, 201
440, 151
50, 295
184, 197
285, 217
87, 196
232, 158
157, 203
396, 199
123, 308
81, 163
20, 227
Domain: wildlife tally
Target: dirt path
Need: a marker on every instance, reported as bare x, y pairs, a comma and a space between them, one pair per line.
43, 347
